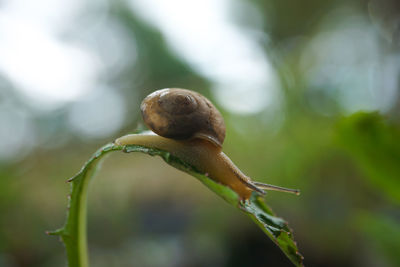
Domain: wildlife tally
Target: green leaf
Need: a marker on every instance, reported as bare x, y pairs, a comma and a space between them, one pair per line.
73, 234
374, 145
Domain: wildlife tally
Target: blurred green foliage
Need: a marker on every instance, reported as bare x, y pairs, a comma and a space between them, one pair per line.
374, 145
382, 233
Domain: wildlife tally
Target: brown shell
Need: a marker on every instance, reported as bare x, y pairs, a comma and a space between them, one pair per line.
183, 114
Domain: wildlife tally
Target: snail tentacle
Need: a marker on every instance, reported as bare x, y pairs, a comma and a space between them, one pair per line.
276, 188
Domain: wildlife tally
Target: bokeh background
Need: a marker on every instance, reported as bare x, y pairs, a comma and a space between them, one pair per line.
309, 91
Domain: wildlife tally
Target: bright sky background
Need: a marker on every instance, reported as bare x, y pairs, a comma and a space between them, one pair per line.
348, 62
46, 70
205, 34
42, 66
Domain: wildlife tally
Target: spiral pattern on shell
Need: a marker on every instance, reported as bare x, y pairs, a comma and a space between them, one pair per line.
183, 114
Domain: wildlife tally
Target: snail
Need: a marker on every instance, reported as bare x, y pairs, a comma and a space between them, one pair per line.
190, 127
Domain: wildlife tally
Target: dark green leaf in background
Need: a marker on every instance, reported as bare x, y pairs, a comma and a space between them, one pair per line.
374, 145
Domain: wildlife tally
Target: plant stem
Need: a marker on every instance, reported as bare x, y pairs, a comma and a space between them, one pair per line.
73, 234
75, 237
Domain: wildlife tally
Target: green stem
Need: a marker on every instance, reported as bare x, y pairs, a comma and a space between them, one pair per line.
73, 234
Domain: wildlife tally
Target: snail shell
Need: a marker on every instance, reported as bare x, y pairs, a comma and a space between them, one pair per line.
183, 114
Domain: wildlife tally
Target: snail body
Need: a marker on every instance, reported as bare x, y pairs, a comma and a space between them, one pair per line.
189, 127
204, 156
